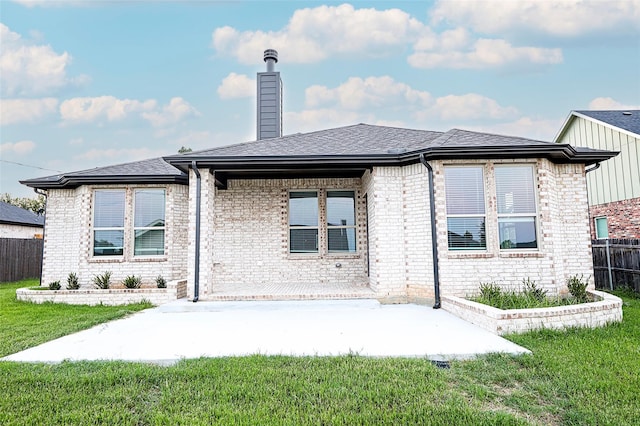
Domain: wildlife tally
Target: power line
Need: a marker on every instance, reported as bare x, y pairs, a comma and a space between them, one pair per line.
27, 165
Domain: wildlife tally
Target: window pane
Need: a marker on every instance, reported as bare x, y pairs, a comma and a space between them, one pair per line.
149, 205
303, 240
108, 211
342, 239
303, 208
464, 188
341, 208
517, 232
602, 230
108, 243
466, 232
149, 242
515, 189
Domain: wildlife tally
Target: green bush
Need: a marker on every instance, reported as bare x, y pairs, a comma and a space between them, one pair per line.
530, 289
578, 288
54, 285
102, 281
131, 281
490, 291
72, 281
161, 282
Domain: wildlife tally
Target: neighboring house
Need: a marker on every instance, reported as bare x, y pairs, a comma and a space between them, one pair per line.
614, 187
16, 222
347, 207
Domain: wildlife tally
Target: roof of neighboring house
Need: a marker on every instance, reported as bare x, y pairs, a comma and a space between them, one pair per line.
626, 121
344, 151
13, 215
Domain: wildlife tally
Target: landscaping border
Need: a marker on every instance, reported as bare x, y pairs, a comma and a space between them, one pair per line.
606, 309
118, 296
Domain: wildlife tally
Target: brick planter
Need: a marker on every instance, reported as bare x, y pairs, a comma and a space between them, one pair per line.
606, 309
84, 296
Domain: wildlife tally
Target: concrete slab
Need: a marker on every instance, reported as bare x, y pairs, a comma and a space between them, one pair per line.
185, 329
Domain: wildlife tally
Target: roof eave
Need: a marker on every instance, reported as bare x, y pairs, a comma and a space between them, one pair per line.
70, 182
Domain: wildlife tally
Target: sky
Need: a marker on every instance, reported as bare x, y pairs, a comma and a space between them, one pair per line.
89, 83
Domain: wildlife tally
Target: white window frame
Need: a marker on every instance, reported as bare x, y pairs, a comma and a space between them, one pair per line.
317, 227
111, 228
342, 227
482, 216
519, 216
149, 228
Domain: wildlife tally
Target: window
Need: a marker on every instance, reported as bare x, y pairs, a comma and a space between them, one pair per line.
516, 200
464, 188
108, 223
602, 228
303, 222
341, 221
148, 226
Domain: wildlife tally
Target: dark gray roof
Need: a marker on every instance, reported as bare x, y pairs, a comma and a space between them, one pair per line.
13, 215
628, 120
359, 139
344, 151
154, 170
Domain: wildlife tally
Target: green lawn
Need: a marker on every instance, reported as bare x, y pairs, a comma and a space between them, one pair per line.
575, 377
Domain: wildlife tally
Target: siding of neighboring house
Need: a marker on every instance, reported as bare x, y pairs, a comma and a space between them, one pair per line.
68, 238
614, 188
617, 179
20, 231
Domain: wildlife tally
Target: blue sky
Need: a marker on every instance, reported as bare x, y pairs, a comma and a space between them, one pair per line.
92, 83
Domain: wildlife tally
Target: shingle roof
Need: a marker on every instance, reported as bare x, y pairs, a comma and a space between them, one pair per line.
350, 149
359, 139
154, 170
14, 215
628, 120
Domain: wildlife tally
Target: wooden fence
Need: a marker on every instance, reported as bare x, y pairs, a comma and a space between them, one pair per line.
616, 264
20, 258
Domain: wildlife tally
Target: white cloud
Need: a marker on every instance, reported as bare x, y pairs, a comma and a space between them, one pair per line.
456, 49
76, 141
21, 147
14, 111
563, 18
357, 93
609, 103
28, 69
312, 34
543, 129
176, 110
316, 119
237, 86
470, 106
102, 107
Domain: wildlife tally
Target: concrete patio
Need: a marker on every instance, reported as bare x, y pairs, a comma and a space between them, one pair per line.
184, 329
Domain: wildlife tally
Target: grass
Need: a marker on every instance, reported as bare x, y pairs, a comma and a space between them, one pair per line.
24, 325
576, 377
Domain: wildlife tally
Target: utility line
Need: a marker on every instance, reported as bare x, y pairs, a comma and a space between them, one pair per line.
27, 165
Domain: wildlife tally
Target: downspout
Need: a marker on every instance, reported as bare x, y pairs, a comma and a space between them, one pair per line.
586, 171
434, 237
44, 227
196, 280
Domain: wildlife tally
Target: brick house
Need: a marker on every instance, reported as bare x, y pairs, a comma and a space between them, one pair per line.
16, 222
356, 211
344, 208
613, 188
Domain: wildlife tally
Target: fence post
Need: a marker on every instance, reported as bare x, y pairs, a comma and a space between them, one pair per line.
609, 264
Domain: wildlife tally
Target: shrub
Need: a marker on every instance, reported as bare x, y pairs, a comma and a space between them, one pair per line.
131, 281
578, 288
72, 281
54, 285
530, 289
102, 281
161, 282
490, 291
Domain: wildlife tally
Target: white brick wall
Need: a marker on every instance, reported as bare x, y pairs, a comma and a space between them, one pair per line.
68, 238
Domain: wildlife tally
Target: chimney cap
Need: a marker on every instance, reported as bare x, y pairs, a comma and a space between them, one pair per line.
271, 54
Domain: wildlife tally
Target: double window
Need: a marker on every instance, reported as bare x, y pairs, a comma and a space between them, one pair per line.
109, 222
307, 220
515, 207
